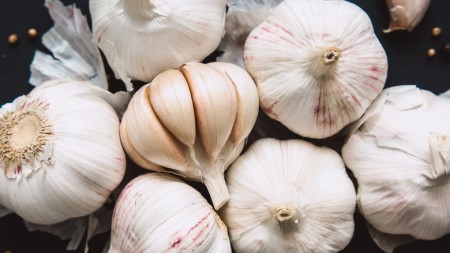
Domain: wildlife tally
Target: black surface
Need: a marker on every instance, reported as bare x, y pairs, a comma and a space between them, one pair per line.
408, 64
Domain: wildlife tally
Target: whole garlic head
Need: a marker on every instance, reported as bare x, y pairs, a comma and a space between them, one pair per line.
317, 64
159, 213
193, 122
142, 38
289, 196
60, 152
406, 14
400, 158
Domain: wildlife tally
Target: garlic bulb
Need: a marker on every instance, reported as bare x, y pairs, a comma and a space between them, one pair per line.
399, 156
317, 64
241, 18
159, 213
406, 15
60, 152
289, 196
193, 121
142, 38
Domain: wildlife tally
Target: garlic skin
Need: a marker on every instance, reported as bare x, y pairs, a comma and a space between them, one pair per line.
143, 38
289, 196
192, 122
315, 75
160, 213
399, 156
406, 14
60, 155
241, 18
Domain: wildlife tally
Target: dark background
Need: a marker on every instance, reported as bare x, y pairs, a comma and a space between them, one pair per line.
408, 64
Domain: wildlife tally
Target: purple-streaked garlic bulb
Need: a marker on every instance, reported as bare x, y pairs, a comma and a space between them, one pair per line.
317, 64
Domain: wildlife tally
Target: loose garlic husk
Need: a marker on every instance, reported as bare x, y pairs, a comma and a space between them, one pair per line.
399, 155
241, 18
193, 121
142, 38
289, 196
60, 152
406, 15
159, 213
315, 74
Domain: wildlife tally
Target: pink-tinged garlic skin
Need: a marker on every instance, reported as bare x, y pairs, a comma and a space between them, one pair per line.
406, 14
159, 213
315, 74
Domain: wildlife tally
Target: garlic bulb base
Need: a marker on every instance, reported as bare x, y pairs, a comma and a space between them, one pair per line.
217, 188
330, 55
286, 214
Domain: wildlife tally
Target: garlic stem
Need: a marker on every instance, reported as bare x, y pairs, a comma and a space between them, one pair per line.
217, 188
440, 155
323, 63
286, 214
139, 8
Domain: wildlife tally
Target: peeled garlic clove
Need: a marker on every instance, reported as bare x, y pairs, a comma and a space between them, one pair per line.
405, 15
60, 155
399, 157
159, 213
316, 75
141, 39
289, 196
192, 122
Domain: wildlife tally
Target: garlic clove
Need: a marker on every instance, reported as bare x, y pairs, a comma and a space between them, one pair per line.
149, 134
246, 103
213, 113
406, 15
388, 242
141, 39
131, 151
171, 100
316, 75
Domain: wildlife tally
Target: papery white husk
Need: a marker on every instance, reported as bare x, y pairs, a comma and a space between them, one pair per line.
142, 38
406, 15
399, 156
75, 56
241, 18
286, 56
82, 160
311, 180
159, 213
192, 122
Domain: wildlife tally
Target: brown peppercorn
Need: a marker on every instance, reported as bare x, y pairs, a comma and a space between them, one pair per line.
436, 31
431, 53
13, 38
445, 50
32, 33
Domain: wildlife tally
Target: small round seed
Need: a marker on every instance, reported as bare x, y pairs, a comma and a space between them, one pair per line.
431, 52
13, 38
32, 33
436, 31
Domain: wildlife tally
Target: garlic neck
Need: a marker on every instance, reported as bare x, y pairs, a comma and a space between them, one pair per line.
286, 214
139, 8
325, 63
439, 145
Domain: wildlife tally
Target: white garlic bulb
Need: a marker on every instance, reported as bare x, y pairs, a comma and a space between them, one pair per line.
241, 18
193, 121
159, 213
142, 38
406, 15
399, 155
289, 196
317, 64
60, 152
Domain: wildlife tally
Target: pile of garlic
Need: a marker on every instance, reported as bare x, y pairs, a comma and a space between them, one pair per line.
313, 65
